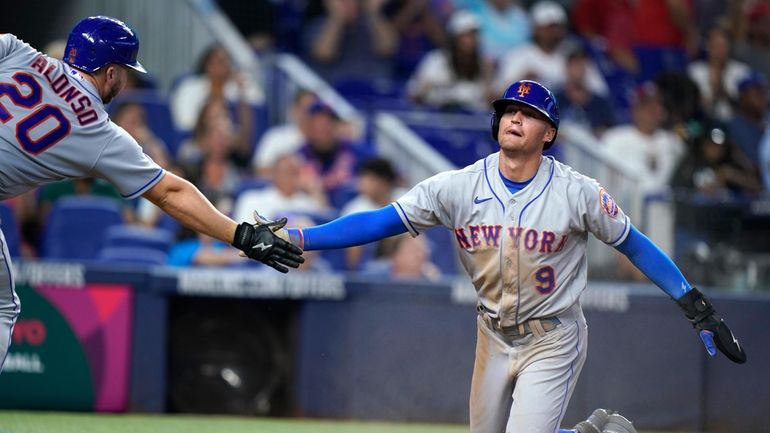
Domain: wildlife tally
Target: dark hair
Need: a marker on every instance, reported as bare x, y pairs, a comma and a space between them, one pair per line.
379, 167
465, 70
200, 68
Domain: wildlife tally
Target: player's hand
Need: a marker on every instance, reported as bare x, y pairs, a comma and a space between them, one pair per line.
712, 330
267, 242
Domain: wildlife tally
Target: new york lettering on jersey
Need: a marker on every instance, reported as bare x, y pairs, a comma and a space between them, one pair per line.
518, 248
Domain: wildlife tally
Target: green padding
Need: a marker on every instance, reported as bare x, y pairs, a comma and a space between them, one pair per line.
51, 375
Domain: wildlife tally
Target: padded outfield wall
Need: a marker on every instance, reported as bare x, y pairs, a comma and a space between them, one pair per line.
106, 338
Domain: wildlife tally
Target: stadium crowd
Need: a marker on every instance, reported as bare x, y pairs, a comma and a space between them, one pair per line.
677, 87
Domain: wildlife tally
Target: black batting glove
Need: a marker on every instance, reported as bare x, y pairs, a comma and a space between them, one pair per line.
712, 329
260, 242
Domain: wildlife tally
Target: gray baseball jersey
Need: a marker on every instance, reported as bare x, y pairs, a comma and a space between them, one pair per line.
525, 252
54, 127
526, 256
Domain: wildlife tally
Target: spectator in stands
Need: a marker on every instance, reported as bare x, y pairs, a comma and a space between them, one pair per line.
326, 156
455, 77
752, 45
681, 99
201, 250
410, 261
713, 169
377, 181
545, 58
286, 138
354, 40
608, 23
504, 25
420, 27
132, 117
750, 119
213, 118
718, 75
644, 147
214, 78
292, 191
665, 36
208, 158
578, 104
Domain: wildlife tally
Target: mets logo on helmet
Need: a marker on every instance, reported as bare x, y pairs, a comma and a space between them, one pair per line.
523, 89
608, 204
72, 54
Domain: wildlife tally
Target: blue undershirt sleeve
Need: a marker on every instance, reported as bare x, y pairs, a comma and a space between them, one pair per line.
654, 263
354, 229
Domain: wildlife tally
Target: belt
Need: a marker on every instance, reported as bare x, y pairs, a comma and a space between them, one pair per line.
538, 327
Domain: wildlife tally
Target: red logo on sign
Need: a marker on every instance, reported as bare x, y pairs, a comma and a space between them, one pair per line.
31, 331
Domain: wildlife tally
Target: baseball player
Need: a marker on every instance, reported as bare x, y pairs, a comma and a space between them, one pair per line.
54, 127
521, 222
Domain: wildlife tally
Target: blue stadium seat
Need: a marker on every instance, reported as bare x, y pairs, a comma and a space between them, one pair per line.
10, 229
76, 225
135, 255
135, 236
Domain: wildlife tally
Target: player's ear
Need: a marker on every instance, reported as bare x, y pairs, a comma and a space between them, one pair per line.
110, 71
550, 133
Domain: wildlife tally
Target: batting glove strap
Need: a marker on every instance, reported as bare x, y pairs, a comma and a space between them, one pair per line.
696, 306
247, 236
711, 328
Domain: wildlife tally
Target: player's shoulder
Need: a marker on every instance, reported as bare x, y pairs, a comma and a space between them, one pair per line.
478, 168
467, 175
566, 174
10, 43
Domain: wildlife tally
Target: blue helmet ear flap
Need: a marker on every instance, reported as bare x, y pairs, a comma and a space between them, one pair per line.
495, 124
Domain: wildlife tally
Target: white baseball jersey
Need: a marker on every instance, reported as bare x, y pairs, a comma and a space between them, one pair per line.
54, 127
526, 255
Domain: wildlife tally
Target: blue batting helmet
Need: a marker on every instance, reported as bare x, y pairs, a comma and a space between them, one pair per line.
529, 93
98, 41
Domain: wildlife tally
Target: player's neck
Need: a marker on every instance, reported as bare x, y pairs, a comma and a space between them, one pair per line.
92, 79
519, 168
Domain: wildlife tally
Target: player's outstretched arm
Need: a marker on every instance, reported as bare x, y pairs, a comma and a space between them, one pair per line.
185, 203
355, 229
656, 265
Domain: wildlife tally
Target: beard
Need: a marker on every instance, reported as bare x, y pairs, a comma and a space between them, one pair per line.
112, 92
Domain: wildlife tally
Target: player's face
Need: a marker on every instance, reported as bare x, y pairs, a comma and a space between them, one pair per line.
523, 128
116, 77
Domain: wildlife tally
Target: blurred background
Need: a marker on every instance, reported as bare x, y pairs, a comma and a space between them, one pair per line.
316, 109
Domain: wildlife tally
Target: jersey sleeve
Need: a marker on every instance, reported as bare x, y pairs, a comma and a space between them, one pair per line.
8, 43
126, 166
423, 207
601, 215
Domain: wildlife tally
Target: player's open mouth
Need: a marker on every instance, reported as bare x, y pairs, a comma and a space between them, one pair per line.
513, 132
